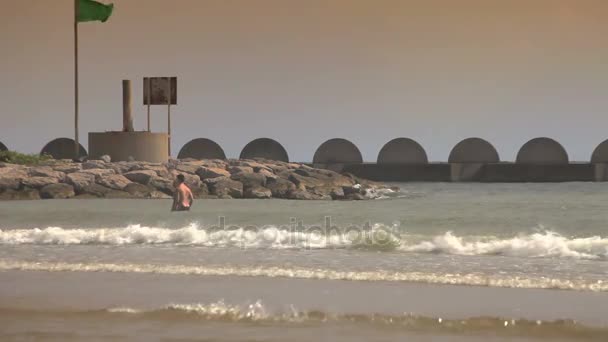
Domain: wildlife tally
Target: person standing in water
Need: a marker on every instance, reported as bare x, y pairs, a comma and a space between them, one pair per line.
182, 198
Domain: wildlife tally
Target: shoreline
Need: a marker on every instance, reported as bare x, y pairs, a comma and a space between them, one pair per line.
208, 179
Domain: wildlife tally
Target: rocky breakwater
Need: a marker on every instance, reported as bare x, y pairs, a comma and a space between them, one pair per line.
207, 179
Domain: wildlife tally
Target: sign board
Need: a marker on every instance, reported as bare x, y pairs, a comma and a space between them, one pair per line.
157, 89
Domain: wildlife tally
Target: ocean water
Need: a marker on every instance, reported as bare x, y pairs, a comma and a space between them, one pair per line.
433, 262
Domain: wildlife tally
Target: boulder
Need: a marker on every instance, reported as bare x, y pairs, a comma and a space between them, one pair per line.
120, 168
46, 171
96, 190
38, 182
68, 168
280, 187
240, 169
118, 194
116, 182
94, 164
26, 194
138, 190
57, 191
141, 176
257, 192
187, 168
250, 179
106, 158
162, 184
98, 173
224, 186
211, 172
159, 195
9, 183
80, 180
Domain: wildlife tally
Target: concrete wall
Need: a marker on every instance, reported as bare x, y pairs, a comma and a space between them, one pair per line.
62, 148
474, 150
542, 151
142, 146
538, 173
402, 151
265, 148
201, 148
401, 172
337, 151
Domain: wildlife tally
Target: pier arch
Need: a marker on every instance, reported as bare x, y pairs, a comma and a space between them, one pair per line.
201, 148
337, 151
3, 147
474, 150
600, 154
63, 148
402, 151
542, 151
265, 148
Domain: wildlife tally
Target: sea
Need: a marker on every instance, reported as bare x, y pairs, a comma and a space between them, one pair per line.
430, 262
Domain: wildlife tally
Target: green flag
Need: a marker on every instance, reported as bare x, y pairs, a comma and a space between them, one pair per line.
89, 10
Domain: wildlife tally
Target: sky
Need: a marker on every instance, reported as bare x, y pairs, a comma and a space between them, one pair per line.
302, 72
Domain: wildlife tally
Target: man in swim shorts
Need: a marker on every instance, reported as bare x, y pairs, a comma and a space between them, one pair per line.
182, 198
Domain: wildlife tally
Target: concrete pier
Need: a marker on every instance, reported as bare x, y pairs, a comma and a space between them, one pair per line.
123, 146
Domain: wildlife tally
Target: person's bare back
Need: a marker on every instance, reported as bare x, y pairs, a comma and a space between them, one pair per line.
182, 199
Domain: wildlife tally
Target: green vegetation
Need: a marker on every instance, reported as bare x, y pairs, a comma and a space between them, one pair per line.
13, 157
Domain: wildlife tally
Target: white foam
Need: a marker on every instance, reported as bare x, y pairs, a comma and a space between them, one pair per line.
315, 273
380, 237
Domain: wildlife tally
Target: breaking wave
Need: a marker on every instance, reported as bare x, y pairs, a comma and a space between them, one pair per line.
257, 313
379, 237
474, 279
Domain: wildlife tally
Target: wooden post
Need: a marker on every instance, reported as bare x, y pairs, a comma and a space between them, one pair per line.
149, 87
127, 118
76, 142
169, 96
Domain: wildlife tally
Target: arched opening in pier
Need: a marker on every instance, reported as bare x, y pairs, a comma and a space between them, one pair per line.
337, 151
542, 151
474, 150
264, 148
402, 151
201, 148
63, 148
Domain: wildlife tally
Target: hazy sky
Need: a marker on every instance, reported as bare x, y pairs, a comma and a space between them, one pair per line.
301, 72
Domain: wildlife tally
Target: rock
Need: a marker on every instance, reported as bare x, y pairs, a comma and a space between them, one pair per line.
355, 197
38, 182
257, 192
280, 187
26, 194
94, 164
266, 173
240, 169
46, 171
250, 179
57, 191
7, 183
200, 192
301, 195
98, 173
68, 168
211, 172
120, 168
118, 194
224, 186
138, 190
80, 180
106, 158
159, 195
116, 182
162, 184
96, 190
141, 176
187, 168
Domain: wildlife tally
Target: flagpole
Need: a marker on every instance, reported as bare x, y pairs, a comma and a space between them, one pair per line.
76, 143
